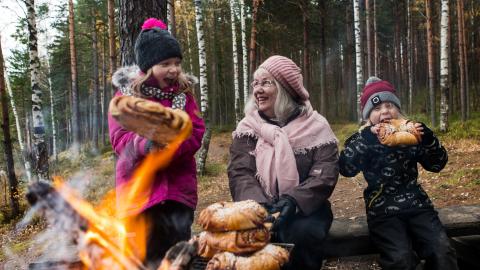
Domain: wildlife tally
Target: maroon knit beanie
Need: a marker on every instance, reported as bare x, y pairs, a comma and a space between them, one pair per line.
375, 92
288, 74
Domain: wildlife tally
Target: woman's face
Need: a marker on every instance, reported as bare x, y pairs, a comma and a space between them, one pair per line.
265, 92
383, 111
166, 72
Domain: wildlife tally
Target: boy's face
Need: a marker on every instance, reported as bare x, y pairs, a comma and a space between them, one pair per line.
383, 111
166, 72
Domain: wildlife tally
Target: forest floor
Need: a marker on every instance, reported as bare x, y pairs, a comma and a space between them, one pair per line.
457, 184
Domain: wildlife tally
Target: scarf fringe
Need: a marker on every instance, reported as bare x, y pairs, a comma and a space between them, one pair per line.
249, 134
305, 150
264, 186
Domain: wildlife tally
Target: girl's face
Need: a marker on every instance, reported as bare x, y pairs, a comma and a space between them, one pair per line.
166, 72
265, 93
384, 111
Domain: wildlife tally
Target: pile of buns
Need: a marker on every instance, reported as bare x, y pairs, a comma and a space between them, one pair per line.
395, 132
235, 237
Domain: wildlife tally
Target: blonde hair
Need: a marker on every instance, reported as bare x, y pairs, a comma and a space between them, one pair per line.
185, 84
284, 103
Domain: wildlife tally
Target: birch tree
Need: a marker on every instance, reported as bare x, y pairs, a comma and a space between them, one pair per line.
52, 111
444, 67
7, 142
244, 52
73, 70
431, 70
26, 161
202, 59
235, 62
39, 146
358, 54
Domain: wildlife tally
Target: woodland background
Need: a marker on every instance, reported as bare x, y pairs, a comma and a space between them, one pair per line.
57, 101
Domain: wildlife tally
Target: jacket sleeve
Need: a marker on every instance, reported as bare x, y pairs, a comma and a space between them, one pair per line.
352, 157
432, 155
242, 169
190, 146
120, 138
322, 178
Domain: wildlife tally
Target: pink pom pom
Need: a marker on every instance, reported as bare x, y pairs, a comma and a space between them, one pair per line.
152, 22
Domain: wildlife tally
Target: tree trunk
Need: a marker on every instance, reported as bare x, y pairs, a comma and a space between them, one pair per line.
462, 60
202, 59
358, 55
112, 40
23, 151
73, 70
95, 97
244, 52
132, 16
444, 67
375, 40
253, 36
431, 68
306, 51
7, 143
323, 64
238, 114
370, 39
40, 147
172, 25
410, 57
52, 112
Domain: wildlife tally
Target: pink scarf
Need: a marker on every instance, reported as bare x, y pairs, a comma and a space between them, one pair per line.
276, 146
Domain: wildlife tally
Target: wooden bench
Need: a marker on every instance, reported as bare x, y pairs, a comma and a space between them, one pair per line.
349, 237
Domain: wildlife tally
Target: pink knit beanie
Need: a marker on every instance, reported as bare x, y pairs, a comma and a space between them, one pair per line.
288, 74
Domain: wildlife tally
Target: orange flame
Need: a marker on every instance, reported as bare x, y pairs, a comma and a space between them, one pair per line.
118, 241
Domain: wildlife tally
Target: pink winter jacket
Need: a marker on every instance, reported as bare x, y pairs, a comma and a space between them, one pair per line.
178, 181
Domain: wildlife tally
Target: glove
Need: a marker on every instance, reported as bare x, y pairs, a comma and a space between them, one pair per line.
287, 207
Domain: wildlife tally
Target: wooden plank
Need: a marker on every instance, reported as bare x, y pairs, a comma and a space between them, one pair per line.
349, 237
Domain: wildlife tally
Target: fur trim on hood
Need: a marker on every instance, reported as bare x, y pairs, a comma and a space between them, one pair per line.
125, 76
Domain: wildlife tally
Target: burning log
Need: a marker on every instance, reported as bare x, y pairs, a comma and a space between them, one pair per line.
96, 236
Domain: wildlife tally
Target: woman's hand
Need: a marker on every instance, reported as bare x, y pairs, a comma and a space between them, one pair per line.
287, 207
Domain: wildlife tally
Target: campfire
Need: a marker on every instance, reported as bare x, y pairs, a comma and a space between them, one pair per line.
109, 236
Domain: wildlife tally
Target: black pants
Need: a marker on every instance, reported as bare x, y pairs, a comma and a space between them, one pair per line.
170, 222
418, 230
308, 234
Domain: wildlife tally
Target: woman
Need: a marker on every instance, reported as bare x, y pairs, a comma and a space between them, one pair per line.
284, 155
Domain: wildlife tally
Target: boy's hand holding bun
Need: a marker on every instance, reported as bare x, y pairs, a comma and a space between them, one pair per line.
395, 132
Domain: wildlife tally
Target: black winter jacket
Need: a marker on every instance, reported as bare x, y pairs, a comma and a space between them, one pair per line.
391, 172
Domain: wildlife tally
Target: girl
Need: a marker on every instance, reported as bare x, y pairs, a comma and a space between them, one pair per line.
174, 194
401, 218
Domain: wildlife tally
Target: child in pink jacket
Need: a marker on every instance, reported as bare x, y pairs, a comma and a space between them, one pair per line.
159, 78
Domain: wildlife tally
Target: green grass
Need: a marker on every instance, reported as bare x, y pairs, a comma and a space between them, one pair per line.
463, 173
